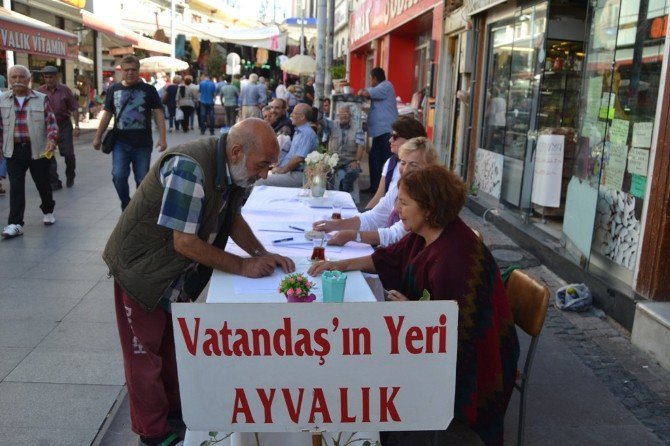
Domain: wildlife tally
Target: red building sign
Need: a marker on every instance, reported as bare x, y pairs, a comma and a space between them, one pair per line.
374, 18
25, 35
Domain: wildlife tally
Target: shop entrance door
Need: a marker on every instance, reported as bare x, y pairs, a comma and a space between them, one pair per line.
516, 47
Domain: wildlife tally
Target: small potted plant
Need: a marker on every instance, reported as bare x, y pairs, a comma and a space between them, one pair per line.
296, 287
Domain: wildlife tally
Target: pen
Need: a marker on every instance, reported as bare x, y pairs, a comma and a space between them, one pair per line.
283, 240
297, 228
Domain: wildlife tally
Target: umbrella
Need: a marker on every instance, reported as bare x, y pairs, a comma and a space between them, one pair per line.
299, 65
162, 63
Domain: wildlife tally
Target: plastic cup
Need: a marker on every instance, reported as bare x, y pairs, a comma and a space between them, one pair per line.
333, 284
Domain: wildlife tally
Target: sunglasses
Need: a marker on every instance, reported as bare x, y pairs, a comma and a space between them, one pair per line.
395, 136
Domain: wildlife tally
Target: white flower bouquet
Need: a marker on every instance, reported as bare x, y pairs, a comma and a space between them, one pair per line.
319, 163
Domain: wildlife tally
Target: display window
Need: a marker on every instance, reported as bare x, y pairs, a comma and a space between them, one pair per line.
620, 92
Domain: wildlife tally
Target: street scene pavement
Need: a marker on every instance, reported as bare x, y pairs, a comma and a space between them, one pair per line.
61, 369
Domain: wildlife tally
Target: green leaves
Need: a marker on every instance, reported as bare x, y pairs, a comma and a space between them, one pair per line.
425, 295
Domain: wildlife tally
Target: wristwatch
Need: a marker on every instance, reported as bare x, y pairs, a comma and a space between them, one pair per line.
358, 237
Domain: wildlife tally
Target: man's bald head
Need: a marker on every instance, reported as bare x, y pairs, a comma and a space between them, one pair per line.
252, 148
301, 114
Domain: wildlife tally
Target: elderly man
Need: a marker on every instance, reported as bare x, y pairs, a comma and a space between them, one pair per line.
250, 98
65, 107
383, 112
132, 103
28, 132
348, 142
288, 172
164, 248
283, 124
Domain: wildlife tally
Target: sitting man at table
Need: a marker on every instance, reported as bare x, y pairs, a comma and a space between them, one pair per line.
380, 225
348, 141
163, 249
288, 172
443, 256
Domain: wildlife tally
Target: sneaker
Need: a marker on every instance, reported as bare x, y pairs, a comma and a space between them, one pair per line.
11, 231
49, 219
168, 440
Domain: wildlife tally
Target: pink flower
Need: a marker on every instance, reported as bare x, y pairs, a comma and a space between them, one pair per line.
299, 278
290, 292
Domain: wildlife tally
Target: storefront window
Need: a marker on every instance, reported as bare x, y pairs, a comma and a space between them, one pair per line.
620, 94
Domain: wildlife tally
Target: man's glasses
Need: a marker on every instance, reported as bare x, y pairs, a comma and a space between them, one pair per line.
395, 136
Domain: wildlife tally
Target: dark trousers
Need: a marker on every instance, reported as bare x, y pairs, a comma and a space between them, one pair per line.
379, 153
17, 166
206, 118
231, 115
188, 112
66, 150
150, 364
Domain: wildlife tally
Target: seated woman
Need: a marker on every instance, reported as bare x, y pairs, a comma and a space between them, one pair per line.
442, 255
403, 129
380, 225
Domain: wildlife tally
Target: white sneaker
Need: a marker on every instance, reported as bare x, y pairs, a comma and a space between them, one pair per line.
11, 231
49, 219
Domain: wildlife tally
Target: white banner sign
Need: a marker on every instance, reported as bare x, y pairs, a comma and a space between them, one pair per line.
294, 367
548, 171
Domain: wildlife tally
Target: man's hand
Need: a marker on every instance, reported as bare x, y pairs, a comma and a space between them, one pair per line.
161, 144
51, 146
354, 164
341, 238
76, 132
265, 265
97, 142
326, 225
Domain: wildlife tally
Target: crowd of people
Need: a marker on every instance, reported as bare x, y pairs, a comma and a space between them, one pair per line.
174, 230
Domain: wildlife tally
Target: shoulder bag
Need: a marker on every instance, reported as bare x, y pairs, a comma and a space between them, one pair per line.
109, 140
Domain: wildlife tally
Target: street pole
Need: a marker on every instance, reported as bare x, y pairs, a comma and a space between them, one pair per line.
302, 27
321, 12
7, 4
329, 47
172, 35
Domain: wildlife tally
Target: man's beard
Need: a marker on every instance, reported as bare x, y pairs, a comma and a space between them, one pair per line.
240, 174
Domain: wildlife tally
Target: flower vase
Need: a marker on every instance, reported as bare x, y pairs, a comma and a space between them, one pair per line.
318, 186
298, 300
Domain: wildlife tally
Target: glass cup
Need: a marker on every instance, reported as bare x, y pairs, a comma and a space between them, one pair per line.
337, 212
319, 250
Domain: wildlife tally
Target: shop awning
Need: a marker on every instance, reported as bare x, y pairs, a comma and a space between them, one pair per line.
120, 35
23, 34
151, 45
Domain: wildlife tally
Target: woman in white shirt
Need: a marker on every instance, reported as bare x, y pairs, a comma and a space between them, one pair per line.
380, 225
403, 129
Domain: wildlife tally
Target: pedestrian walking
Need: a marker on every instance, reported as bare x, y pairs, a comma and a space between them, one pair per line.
229, 95
170, 100
29, 132
207, 91
138, 102
383, 112
65, 108
160, 253
250, 98
187, 99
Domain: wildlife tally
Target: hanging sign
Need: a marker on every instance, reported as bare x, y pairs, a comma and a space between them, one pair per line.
548, 170
333, 367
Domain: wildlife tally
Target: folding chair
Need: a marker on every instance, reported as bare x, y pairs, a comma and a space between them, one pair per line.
529, 300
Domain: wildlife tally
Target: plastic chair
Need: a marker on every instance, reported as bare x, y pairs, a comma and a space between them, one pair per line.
529, 301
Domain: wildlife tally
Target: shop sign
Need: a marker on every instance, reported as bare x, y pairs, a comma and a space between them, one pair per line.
26, 39
658, 27
312, 367
373, 18
548, 170
341, 16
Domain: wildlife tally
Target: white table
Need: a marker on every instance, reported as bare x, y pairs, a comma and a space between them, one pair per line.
270, 211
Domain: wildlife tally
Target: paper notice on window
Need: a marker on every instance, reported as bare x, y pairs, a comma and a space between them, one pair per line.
638, 186
607, 106
619, 131
595, 88
548, 171
615, 166
638, 161
642, 134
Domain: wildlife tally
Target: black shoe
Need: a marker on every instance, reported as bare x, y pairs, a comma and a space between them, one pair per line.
57, 186
70, 182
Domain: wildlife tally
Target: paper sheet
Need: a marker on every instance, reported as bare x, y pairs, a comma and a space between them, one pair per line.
616, 165
642, 132
619, 131
638, 161
283, 227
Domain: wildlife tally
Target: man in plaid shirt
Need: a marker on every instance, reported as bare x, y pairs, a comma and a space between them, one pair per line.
26, 143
